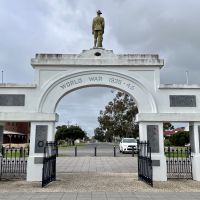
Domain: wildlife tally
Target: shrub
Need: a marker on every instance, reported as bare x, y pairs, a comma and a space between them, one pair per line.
180, 138
167, 142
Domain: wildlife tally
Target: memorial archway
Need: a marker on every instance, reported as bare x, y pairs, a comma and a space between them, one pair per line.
57, 75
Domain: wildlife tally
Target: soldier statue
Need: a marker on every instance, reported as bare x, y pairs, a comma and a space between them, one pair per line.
98, 25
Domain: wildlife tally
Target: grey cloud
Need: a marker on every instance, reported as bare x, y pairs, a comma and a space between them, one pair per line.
168, 28
164, 27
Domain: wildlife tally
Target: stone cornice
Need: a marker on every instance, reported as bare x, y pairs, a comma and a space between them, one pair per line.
97, 57
14, 85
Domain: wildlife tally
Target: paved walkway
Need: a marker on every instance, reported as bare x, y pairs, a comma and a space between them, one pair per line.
99, 178
99, 196
97, 164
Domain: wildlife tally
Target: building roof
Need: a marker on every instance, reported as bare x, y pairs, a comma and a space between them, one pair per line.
174, 131
5, 132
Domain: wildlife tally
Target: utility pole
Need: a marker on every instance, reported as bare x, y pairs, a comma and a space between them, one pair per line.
187, 79
2, 76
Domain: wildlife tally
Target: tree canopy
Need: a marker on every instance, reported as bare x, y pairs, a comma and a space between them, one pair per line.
118, 118
72, 133
180, 139
99, 134
168, 126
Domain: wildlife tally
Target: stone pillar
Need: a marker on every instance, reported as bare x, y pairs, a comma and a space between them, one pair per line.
195, 148
40, 133
153, 132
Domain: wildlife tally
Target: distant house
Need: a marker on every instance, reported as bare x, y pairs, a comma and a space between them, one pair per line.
169, 133
16, 132
13, 137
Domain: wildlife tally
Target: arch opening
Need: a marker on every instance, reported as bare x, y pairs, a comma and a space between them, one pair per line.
93, 86
55, 90
86, 104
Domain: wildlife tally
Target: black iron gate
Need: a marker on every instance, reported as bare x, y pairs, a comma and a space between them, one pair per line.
145, 171
179, 162
49, 163
13, 162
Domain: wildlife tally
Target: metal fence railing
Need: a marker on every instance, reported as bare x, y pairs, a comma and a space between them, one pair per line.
145, 171
49, 163
179, 162
13, 162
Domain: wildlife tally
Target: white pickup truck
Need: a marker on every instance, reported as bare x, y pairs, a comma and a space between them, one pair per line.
127, 144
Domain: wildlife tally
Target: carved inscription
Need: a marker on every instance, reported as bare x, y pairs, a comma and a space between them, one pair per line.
115, 81
71, 83
130, 86
95, 78
153, 137
98, 79
182, 100
40, 138
120, 82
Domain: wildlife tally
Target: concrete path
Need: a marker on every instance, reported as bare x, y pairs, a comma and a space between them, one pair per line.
99, 196
97, 164
98, 174
99, 178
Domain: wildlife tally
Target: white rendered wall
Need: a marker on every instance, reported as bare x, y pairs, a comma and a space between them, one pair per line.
139, 75
159, 172
34, 170
196, 154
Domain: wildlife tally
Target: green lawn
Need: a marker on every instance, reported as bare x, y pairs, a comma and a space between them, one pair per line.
176, 152
15, 154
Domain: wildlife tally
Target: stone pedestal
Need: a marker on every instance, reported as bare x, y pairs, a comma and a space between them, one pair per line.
153, 132
41, 132
195, 147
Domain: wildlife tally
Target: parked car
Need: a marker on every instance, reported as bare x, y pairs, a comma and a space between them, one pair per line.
127, 144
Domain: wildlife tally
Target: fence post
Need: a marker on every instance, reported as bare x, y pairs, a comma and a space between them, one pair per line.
133, 152
21, 152
75, 151
95, 151
28, 150
3, 152
114, 148
56, 148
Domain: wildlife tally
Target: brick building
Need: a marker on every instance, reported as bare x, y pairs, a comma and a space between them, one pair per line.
16, 132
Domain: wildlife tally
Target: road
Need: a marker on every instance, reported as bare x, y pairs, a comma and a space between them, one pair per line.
102, 149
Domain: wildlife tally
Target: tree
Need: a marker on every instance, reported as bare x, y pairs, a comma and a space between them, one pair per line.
69, 132
99, 135
168, 126
180, 139
118, 118
61, 133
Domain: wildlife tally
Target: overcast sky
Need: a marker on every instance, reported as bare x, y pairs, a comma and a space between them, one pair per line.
168, 28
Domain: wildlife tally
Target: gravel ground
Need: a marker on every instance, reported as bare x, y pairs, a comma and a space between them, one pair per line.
98, 174
100, 182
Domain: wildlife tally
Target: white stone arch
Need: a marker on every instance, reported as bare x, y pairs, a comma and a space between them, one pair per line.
58, 87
